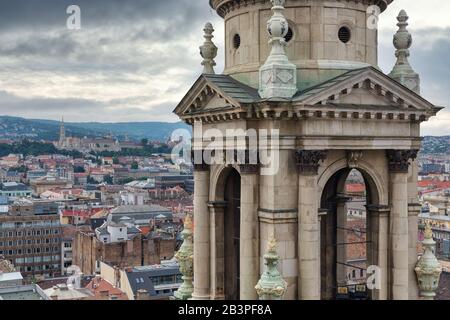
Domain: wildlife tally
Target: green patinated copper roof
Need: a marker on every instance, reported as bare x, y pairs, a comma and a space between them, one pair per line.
233, 88
314, 90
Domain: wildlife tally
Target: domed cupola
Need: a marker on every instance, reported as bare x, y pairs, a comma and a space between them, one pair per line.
324, 38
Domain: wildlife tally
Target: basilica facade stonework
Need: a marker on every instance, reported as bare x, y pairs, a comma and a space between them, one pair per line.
307, 70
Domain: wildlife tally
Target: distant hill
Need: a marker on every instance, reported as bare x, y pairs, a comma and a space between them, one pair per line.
17, 128
436, 145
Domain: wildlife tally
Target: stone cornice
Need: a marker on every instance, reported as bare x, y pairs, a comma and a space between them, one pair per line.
303, 112
223, 7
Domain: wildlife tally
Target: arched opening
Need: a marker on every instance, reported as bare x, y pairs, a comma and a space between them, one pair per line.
232, 221
346, 239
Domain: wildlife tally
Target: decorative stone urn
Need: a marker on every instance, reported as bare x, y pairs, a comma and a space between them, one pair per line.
428, 269
271, 286
185, 258
278, 76
208, 50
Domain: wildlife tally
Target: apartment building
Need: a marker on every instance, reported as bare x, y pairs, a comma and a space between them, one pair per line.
30, 237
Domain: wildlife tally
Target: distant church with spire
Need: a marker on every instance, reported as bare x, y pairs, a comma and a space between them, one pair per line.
307, 70
85, 144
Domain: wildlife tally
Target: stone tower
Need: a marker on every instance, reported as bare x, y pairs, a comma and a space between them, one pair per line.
324, 39
300, 104
62, 133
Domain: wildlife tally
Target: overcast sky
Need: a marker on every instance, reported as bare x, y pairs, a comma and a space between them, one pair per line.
134, 60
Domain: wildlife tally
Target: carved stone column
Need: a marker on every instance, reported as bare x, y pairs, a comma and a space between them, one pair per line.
308, 163
341, 239
249, 242
216, 211
201, 232
378, 254
413, 224
398, 162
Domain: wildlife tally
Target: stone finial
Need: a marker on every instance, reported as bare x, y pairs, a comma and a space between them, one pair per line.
185, 258
278, 76
428, 269
403, 72
271, 286
208, 50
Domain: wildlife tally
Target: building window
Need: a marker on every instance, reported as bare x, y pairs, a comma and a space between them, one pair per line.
344, 34
353, 274
236, 41
289, 35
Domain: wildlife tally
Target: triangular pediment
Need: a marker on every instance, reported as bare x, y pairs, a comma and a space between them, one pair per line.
366, 86
215, 93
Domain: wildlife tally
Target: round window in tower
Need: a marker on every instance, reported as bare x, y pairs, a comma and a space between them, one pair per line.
344, 34
289, 35
236, 41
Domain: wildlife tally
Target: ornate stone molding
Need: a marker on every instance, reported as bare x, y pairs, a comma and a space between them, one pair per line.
308, 161
223, 7
399, 160
353, 158
185, 258
428, 268
271, 285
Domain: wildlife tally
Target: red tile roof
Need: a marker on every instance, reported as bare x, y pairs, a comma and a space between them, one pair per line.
103, 289
80, 213
355, 187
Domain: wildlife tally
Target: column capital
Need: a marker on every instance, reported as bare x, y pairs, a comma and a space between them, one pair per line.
308, 161
399, 160
198, 161
248, 161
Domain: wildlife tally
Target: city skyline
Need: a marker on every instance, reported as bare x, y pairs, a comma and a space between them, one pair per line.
116, 71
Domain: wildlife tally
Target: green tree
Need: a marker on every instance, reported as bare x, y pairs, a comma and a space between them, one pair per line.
108, 179
144, 142
79, 169
134, 165
91, 180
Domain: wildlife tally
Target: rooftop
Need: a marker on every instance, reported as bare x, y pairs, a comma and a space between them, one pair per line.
30, 292
10, 276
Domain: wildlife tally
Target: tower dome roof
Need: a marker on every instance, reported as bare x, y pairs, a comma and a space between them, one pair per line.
222, 6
